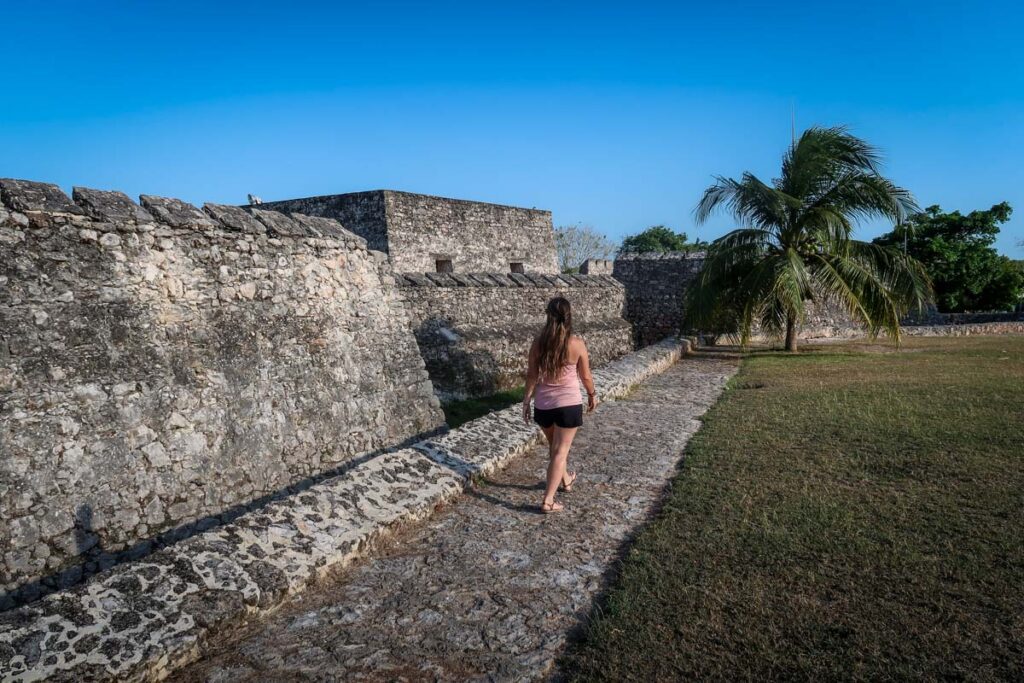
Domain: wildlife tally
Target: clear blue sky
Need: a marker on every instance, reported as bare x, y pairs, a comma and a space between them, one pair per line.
615, 115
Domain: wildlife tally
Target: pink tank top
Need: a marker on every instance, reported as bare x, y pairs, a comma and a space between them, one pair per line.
563, 391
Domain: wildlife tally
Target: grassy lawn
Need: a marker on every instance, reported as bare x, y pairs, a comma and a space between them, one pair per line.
851, 512
459, 412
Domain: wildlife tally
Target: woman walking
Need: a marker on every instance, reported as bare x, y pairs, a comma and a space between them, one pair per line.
558, 362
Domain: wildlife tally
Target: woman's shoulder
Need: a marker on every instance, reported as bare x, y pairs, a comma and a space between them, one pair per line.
577, 342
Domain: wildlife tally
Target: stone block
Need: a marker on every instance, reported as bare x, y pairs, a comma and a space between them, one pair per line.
235, 219
279, 224
176, 213
110, 206
28, 195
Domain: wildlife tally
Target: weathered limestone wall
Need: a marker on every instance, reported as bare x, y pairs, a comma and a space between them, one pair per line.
655, 286
417, 230
142, 620
160, 365
474, 330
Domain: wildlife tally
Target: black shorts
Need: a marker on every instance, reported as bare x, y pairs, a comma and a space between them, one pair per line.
565, 417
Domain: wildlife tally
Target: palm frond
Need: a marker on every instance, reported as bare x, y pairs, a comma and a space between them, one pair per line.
877, 285
750, 201
860, 195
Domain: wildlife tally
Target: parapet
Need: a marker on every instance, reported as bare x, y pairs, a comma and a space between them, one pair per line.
511, 280
43, 202
597, 266
661, 256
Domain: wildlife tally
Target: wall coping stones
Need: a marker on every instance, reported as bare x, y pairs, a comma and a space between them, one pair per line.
571, 278
659, 255
175, 212
418, 280
28, 195
110, 206
234, 218
440, 279
328, 227
278, 223
504, 280
520, 280
141, 620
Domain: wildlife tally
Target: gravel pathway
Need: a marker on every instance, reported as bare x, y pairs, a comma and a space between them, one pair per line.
487, 589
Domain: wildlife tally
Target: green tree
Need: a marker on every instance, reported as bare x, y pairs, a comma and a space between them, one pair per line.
660, 239
956, 250
797, 243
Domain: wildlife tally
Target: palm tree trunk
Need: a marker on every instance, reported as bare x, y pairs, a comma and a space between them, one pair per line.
791, 333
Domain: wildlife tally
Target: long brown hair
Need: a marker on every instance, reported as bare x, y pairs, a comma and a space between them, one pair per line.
553, 341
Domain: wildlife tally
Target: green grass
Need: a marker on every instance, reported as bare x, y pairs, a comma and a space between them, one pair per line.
851, 512
457, 413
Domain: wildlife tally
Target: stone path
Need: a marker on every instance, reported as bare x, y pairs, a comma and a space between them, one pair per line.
488, 589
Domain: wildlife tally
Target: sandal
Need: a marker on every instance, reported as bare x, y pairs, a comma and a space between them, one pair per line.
571, 476
548, 508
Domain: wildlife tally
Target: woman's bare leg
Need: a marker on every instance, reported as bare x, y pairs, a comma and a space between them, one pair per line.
560, 445
549, 434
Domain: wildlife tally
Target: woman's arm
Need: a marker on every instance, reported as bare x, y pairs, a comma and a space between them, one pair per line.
532, 371
583, 370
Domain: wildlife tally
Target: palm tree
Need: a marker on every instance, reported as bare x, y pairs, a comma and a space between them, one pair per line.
797, 245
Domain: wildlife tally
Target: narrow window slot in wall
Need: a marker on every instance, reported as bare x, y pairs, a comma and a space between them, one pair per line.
444, 265
516, 267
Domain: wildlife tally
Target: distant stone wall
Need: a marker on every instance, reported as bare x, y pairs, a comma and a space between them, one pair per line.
655, 286
965, 329
933, 317
161, 365
597, 266
418, 230
474, 330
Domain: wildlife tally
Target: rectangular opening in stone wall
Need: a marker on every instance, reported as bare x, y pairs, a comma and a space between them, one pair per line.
444, 265
516, 267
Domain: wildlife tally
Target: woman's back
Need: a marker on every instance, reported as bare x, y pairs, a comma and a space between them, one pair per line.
563, 389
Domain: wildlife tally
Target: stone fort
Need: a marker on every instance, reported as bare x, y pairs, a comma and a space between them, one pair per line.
165, 368
475, 278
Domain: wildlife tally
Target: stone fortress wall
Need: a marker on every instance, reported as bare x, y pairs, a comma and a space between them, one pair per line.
475, 330
417, 231
475, 320
655, 286
161, 365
